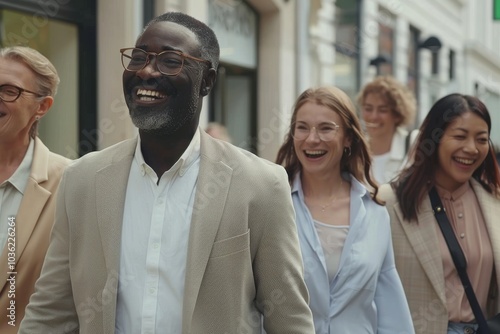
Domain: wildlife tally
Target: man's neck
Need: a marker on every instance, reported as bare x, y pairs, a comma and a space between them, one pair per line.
162, 152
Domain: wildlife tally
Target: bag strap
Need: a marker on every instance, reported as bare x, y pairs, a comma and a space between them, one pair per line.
458, 258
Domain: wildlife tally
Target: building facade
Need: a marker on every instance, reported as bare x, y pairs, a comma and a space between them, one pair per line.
271, 50
434, 47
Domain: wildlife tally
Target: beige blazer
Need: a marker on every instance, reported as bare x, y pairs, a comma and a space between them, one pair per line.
33, 224
243, 258
419, 263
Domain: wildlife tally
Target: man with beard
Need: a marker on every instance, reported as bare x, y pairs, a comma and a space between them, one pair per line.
173, 231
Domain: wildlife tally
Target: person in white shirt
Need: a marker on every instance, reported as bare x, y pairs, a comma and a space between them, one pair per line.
172, 231
387, 108
29, 177
344, 233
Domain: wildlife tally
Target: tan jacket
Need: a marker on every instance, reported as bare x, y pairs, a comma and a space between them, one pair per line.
419, 262
243, 258
33, 225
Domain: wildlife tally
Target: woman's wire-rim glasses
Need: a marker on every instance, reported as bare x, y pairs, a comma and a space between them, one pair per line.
326, 131
168, 62
10, 93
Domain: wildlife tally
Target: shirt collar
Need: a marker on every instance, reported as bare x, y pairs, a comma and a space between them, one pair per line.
187, 158
357, 188
455, 194
19, 179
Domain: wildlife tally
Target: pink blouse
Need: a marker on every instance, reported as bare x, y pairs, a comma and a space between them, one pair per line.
466, 218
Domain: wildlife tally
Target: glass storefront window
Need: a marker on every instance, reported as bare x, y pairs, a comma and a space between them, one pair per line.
233, 99
58, 41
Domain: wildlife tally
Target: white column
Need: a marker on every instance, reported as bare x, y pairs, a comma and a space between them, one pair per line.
402, 32
276, 74
123, 23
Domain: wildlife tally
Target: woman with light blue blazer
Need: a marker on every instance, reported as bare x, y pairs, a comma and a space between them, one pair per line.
344, 232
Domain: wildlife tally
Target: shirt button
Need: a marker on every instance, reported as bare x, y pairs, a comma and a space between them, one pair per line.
156, 245
460, 215
462, 235
152, 290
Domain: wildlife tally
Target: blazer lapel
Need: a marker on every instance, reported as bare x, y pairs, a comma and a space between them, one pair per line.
490, 209
32, 204
111, 186
211, 193
422, 237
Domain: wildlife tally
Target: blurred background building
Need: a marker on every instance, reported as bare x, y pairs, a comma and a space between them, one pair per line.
271, 50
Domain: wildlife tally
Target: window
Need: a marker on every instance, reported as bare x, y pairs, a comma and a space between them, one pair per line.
347, 37
386, 41
435, 62
233, 99
452, 65
413, 77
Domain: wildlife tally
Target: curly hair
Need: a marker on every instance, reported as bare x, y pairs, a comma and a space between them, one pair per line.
358, 161
399, 98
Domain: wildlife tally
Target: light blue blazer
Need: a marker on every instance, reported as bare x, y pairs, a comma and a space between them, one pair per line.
366, 295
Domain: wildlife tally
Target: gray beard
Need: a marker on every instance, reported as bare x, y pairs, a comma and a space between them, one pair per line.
164, 121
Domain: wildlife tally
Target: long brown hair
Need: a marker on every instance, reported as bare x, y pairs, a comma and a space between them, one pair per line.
414, 182
358, 161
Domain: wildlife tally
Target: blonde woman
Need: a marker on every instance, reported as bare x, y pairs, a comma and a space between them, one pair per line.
387, 107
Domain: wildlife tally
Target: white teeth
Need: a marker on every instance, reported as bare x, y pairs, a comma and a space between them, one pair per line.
372, 125
314, 152
465, 161
152, 93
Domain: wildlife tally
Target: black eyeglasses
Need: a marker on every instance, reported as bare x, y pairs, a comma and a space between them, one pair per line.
10, 93
168, 62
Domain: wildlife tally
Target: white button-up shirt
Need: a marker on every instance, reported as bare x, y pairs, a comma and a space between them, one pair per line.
12, 192
155, 232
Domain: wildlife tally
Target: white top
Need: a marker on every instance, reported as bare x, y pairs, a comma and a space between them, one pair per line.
12, 192
387, 166
332, 239
155, 233
379, 164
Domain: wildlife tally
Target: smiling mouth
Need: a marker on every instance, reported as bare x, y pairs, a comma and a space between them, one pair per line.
148, 95
464, 161
372, 125
315, 153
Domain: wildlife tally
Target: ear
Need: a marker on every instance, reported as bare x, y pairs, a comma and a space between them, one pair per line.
208, 82
45, 105
398, 119
348, 139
